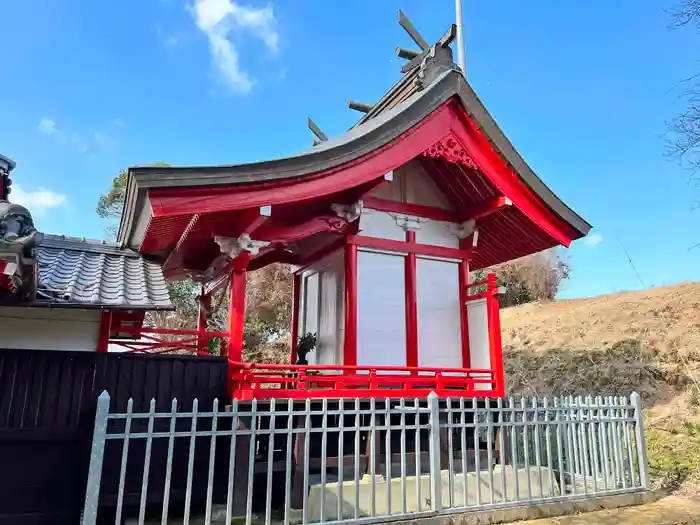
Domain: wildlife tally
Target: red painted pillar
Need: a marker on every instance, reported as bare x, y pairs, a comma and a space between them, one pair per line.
411, 305
204, 307
103, 334
350, 346
296, 302
464, 313
495, 346
236, 314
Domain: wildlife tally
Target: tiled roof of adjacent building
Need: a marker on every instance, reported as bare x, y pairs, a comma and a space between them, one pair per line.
79, 272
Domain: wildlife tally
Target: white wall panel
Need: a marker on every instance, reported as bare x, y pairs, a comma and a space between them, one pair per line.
381, 313
411, 184
375, 223
439, 329
311, 306
420, 188
436, 233
479, 336
49, 329
328, 342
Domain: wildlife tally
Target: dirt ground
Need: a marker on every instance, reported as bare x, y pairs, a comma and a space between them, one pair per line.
672, 510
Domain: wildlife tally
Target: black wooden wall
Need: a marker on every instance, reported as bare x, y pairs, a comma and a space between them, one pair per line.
47, 409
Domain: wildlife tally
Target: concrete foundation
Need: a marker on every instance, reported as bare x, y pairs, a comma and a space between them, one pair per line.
478, 490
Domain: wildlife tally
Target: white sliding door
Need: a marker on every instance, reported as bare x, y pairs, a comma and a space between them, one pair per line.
381, 311
439, 325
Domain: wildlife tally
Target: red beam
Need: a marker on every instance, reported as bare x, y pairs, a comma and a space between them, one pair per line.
289, 234
411, 305
464, 313
494, 327
350, 344
236, 314
416, 210
252, 220
103, 334
488, 208
408, 247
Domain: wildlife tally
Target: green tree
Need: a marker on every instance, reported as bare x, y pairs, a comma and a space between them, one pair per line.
268, 295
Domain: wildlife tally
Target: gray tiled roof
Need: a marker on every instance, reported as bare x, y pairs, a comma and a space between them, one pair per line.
78, 272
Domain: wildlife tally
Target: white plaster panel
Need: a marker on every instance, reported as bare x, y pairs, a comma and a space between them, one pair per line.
49, 329
380, 224
477, 314
327, 342
311, 308
420, 188
411, 184
381, 313
439, 329
389, 190
436, 233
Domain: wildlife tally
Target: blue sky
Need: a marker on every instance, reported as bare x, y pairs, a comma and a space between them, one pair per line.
583, 90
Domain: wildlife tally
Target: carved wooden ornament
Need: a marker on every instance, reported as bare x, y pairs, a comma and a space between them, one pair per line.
449, 149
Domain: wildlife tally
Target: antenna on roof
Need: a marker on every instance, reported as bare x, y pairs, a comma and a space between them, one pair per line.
461, 51
317, 131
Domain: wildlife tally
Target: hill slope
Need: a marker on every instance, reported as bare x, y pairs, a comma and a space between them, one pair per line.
646, 341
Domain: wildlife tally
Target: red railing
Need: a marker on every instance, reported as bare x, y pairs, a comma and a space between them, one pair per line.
495, 345
165, 341
263, 381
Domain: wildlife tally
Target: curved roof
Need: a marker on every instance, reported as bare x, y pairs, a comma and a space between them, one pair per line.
372, 133
80, 273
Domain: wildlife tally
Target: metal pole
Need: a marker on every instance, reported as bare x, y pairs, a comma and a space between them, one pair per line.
434, 450
92, 492
461, 50
641, 444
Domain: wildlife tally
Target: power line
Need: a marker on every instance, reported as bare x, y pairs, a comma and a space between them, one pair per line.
630, 261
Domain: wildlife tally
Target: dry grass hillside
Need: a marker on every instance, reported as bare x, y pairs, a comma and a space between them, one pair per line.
646, 341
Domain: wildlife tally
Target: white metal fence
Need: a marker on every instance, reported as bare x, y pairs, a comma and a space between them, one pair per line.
358, 460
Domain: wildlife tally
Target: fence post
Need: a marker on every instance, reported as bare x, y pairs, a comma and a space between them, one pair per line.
641, 444
434, 451
92, 490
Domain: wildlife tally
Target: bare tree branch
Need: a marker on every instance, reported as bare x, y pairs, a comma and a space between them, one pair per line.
684, 128
686, 12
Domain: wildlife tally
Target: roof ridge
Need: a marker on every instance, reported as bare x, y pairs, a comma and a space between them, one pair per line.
83, 244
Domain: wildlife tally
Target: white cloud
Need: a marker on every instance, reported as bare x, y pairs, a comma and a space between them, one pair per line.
37, 201
118, 122
593, 240
98, 140
218, 18
102, 140
47, 126
170, 41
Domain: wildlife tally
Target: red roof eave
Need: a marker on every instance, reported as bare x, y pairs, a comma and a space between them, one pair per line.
449, 119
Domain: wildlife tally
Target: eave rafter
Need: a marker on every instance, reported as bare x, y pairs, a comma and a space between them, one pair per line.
175, 255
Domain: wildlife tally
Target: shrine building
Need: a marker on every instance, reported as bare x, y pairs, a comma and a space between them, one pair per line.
383, 224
